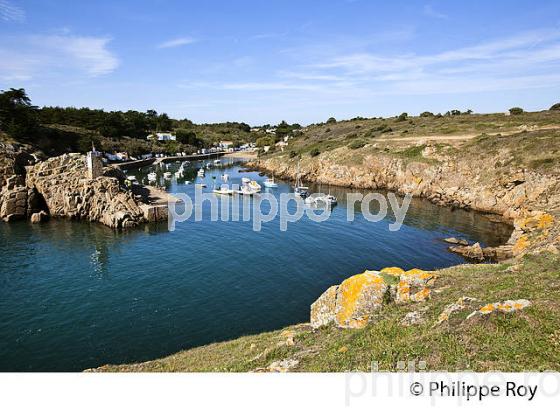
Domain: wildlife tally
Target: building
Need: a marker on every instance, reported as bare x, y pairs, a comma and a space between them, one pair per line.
225, 145
162, 136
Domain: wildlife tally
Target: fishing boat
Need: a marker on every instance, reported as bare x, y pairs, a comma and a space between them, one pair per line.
217, 161
167, 175
270, 183
245, 180
225, 177
131, 178
201, 173
152, 176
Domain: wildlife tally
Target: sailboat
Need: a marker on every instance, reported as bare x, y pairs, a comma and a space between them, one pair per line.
299, 189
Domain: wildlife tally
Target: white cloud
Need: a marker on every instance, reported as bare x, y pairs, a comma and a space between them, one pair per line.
431, 12
46, 55
177, 42
11, 12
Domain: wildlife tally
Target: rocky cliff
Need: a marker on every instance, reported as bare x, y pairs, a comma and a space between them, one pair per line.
526, 198
59, 187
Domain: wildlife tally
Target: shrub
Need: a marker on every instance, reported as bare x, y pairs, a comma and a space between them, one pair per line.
357, 144
427, 114
293, 154
555, 107
516, 111
314, 152
331, 120
327, 129
402, 117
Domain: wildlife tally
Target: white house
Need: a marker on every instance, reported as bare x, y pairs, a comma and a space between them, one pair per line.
162, 136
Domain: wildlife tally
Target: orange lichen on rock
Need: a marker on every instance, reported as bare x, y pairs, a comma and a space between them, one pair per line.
393, 270
506, 307
357, 296
421, 295
352, 303
521, 244
545, 221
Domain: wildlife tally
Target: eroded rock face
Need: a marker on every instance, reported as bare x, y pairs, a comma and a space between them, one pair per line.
67, 192
59, 187
354, 302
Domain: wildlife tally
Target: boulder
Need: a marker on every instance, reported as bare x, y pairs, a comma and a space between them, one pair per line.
456, 241
355, 302
39, 217
473, 252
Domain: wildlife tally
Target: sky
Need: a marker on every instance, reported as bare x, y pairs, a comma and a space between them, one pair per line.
265, 61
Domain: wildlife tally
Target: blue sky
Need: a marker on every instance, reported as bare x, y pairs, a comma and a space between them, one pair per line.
267, 61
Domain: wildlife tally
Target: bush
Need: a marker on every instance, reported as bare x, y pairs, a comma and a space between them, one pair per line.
402, 117
516, 111
314, 152
293, 154
357, 144
264, 141
555, 107
331, 120
427, 114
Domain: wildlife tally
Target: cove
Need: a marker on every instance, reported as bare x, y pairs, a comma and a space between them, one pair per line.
75, 295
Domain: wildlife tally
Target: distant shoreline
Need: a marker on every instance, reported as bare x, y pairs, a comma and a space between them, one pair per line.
241, 154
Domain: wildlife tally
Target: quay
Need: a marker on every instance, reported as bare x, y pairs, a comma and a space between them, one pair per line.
149, 161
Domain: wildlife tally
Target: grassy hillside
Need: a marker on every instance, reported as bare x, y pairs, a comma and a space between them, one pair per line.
394, 132
520, 341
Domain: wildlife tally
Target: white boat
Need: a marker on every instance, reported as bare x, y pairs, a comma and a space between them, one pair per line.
152, 176
201, 185
254, 185
270, 183
167, 175
245, 180
299, 189
187, 182
131, 178
223, 190
225, 177
201, 172
217, 161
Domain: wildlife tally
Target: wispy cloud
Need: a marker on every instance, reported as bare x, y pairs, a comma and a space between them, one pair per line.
39, 55
431, 12
11, 12
177, 42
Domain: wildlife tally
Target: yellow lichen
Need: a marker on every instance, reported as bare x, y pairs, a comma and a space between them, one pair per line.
350, 291
488, 308
521, 244
545, 221
393, 271
421, 295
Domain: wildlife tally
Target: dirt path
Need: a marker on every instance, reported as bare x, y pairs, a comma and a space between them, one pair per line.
461, 137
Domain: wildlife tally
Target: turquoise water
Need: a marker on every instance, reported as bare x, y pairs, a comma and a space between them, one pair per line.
77, 295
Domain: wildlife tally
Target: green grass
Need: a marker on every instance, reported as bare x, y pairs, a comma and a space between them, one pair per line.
523, 341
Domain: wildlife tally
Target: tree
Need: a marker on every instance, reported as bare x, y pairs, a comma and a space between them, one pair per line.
516, 111
555, 107
331, 120
17, 116
426, 114
188, 137
264, 141
402, 117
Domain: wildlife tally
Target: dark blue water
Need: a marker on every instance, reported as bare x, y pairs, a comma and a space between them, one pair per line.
77, 295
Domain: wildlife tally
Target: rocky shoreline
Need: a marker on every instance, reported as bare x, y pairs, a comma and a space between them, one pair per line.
60, 187
526, 199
